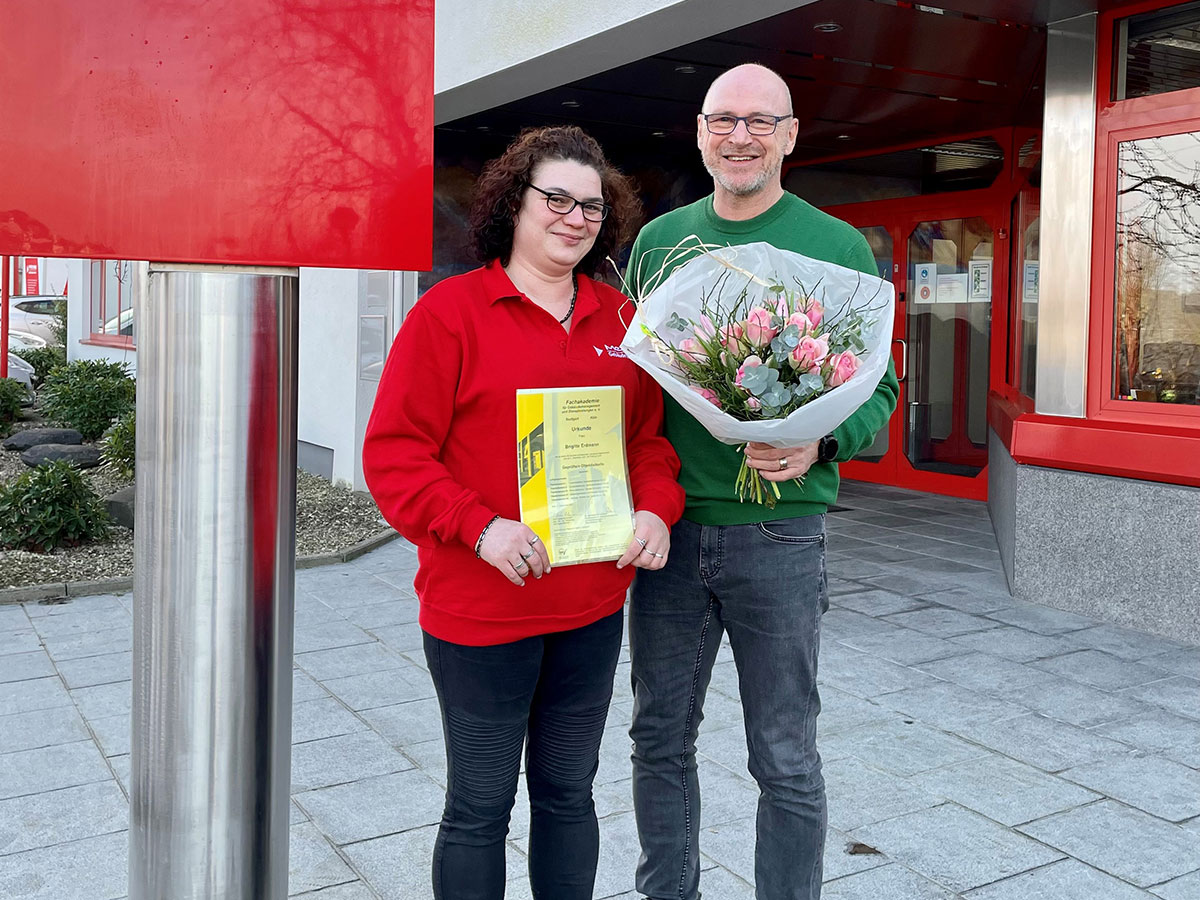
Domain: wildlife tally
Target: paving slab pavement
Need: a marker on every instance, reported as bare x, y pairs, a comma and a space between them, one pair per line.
988, 749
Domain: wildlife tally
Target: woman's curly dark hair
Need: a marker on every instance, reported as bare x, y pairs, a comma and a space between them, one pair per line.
502, 185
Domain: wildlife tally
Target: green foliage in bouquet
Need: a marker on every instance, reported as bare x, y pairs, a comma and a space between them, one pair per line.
117, 446
765, 358
766, 361
44, 360
50, 507
88, 395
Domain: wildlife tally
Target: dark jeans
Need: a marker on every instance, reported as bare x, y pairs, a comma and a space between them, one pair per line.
553, 689
765, 584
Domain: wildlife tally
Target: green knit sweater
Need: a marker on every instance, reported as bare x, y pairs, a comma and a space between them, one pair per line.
710, 467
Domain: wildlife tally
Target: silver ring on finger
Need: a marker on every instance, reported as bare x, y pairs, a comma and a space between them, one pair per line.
646, 550
641, 541
657, 555
520, 565
533, 540
527, 555
783, 463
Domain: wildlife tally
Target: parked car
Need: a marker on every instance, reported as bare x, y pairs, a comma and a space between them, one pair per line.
23, 340
21, 371
34, 315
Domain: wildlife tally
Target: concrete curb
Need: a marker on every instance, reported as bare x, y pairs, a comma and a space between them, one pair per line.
59, 590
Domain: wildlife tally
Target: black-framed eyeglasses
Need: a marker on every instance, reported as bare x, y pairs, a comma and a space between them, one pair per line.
562, 204
758, 124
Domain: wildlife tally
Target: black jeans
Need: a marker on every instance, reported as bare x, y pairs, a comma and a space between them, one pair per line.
553, 689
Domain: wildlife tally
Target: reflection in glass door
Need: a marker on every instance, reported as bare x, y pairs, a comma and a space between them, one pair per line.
882, 248
950, 276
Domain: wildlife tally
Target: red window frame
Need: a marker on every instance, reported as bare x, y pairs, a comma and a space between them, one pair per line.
1118, 121
97, 312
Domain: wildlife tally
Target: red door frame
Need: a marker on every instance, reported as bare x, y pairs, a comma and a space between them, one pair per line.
994, 204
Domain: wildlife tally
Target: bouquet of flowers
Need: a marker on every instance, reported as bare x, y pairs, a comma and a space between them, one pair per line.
762, 344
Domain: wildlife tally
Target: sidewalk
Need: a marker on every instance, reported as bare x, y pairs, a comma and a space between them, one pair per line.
988, 749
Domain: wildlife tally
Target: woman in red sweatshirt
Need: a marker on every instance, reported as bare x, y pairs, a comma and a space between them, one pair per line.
520, 654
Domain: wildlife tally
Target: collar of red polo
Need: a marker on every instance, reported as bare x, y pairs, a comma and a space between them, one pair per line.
499, 286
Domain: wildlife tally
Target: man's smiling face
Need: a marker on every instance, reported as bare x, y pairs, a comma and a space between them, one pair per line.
741, 163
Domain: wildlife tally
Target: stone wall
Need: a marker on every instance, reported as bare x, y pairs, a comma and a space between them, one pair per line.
1119, 549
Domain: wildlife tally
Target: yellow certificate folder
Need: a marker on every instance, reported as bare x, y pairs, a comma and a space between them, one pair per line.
572, 472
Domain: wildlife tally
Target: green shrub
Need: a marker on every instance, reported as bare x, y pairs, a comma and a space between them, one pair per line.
87, 395
12, 392
44, 360
49, 507
118, 445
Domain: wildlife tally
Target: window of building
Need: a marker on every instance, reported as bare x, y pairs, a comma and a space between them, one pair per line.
112, 302
1146, 292
1157, 52
1157, 279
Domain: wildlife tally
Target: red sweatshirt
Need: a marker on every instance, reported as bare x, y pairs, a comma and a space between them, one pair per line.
440, 454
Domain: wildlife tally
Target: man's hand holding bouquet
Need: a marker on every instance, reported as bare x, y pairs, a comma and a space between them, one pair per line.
761, 344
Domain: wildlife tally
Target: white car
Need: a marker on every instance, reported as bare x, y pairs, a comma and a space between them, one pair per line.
23, 340
34, 315
21, 371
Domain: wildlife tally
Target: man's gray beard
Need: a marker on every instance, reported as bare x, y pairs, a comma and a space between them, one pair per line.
745, 189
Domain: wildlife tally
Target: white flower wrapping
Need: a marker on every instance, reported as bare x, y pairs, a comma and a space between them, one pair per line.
755, 268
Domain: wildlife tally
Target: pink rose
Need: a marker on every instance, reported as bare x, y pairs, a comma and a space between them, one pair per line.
781, 307
842, 368
750, 362
759, 328
810, 353
801, 321
753, 403
691, 350
709, 395
732, 336
814, 310
706, 329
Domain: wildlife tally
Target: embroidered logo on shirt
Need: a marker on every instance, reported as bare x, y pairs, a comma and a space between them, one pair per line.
612, 351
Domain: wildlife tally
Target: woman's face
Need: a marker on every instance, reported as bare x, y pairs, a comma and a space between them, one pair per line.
550, 241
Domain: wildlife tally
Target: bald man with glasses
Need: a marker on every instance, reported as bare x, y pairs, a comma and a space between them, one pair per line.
757, 574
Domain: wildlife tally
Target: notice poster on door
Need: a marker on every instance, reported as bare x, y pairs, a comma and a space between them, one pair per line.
1029, 287
979, 281
952, 288
924, 283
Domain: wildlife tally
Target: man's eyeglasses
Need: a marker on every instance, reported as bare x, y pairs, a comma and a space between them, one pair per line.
593, 210
760, 125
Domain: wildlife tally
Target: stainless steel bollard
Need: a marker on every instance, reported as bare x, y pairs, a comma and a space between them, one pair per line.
213, 591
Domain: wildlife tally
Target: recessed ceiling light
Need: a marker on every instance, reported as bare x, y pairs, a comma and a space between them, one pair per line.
658, 134
571, 104
686, 70
844, 137
827, 27
482, 128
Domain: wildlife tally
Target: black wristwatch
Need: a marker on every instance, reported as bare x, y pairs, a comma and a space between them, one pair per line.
827, 449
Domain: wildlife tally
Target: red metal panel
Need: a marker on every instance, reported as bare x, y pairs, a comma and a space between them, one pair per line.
275, 132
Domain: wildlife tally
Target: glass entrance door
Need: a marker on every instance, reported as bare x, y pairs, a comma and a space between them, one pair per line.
942, 262
949, 314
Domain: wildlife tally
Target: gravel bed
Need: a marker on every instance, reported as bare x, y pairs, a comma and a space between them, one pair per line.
329, 519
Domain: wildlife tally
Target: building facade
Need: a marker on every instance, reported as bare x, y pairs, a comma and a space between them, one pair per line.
1027, 173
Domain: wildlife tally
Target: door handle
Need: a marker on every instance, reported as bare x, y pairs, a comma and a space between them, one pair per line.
903, 358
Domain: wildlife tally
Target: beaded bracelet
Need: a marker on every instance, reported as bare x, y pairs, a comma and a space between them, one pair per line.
479, 540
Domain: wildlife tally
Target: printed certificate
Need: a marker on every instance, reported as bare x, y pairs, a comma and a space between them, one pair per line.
572, 473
